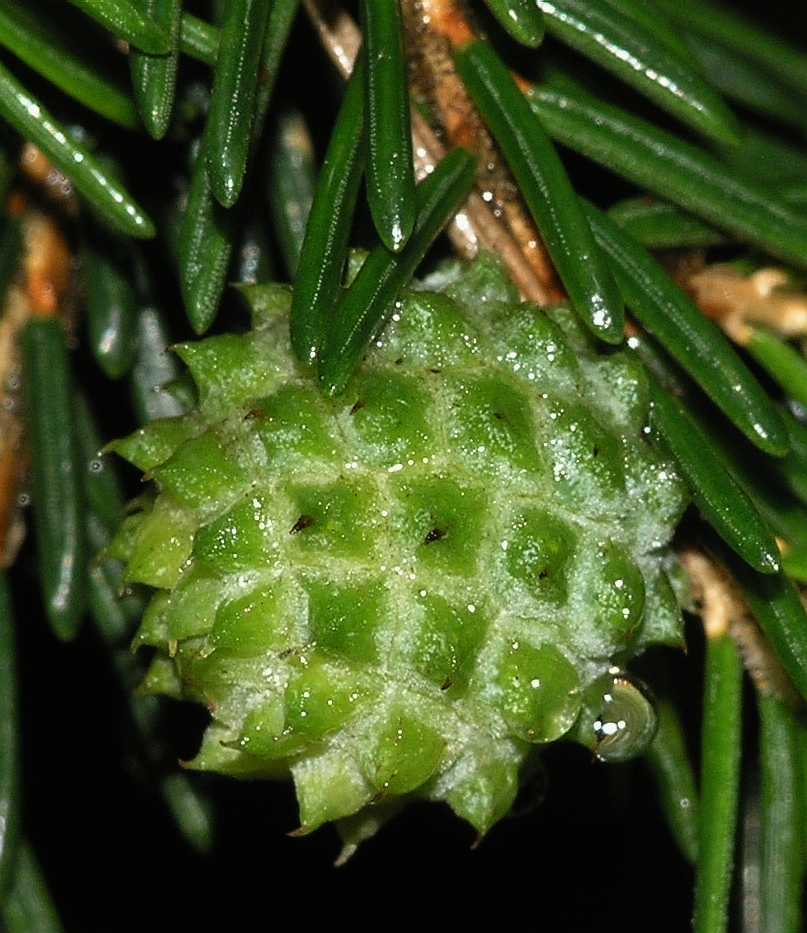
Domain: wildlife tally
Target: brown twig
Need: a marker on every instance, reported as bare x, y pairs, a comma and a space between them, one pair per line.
46, 265
38, 169
13, 461
38, 290
476, 225
435, 28
734, 300
724, 611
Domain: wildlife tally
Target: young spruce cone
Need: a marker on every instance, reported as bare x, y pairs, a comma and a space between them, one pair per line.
412, 588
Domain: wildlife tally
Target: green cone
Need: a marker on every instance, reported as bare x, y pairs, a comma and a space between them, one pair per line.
410, 589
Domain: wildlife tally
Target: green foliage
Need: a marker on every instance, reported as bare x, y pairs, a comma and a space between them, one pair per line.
390, 174
426, 422
547, 190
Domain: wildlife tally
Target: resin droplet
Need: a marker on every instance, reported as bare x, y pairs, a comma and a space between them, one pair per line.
618, 721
